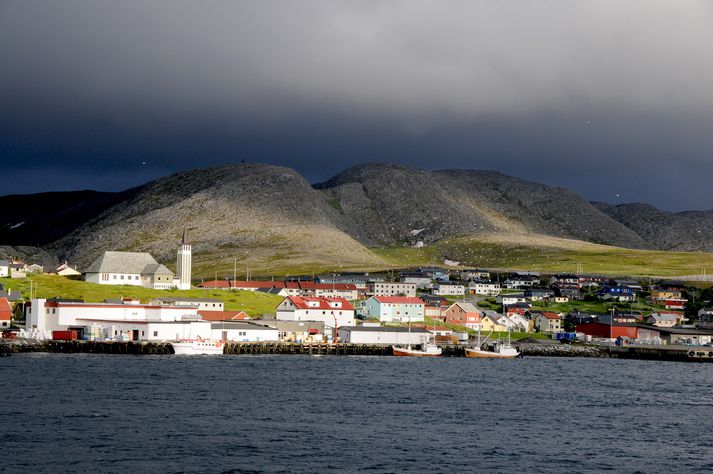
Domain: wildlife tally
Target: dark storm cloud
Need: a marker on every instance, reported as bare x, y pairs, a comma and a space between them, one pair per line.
606, 98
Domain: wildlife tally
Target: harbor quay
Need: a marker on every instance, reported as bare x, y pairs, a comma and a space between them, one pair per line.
678, 353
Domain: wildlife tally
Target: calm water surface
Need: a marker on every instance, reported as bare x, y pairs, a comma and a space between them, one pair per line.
87, 413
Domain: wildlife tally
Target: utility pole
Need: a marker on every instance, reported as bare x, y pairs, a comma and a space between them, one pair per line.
235, 269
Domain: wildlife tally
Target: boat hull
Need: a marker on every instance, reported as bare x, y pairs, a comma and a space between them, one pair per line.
197, 348
479, 354
405, 352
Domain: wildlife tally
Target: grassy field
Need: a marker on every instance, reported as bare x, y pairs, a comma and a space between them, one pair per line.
48, 286
549, 255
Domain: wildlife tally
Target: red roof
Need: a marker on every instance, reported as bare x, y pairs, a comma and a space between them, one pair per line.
302, 302
5, 310
225, 284
223, 315
550, 315
399, 299
308, 285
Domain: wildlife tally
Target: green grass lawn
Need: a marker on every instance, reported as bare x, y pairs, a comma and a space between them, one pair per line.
549, 256
49, 286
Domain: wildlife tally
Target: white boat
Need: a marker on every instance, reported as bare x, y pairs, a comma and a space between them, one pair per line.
428, 348
501, 350
198, 347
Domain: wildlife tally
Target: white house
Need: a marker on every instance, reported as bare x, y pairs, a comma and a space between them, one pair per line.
418, 279
508, 299
4, 269
66, 270
520, 323
548, 322
395, 308
117, 320
449, 289
391, 289
129, 268
243, 332
331, 311
367, 334
484, 287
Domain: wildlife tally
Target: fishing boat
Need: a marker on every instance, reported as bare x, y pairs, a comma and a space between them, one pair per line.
197, 347
428, 348
500, 350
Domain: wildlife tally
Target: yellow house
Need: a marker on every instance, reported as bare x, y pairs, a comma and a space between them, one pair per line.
491, 323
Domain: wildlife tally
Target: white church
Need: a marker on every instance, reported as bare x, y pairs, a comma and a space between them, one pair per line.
141, 269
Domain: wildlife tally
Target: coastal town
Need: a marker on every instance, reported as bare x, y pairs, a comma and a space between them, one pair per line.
414, 307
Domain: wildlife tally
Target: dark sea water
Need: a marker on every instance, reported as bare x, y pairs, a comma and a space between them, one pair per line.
108, 413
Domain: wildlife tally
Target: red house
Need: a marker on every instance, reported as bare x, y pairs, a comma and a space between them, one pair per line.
5, 313
464, 314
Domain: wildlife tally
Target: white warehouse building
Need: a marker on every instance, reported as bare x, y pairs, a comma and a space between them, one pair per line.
118, 320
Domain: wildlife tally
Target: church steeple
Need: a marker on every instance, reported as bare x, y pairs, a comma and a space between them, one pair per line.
183, 264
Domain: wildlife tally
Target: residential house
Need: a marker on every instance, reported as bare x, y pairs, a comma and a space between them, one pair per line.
11, 295
333, 312
481, 275
129, 268
521, 281
665, 320
592, 280
538, 294
520, 322
448, 289
617, 293
548, 322
437, 274
360, 280
5, 313
464, 314
391, 289
394, 308
421, 280
484, 287
564, 278
511, 298
491, 322
65, 270
4, 268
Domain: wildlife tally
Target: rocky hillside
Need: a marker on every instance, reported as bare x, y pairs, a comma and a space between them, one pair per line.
395, 203
253, 212
271, 219
683, 231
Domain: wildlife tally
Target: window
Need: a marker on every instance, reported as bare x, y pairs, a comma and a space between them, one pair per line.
142, 333
155, 334
122, 277
136, 277
114, 277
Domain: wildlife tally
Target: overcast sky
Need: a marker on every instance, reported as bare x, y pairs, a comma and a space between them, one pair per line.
612, 99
